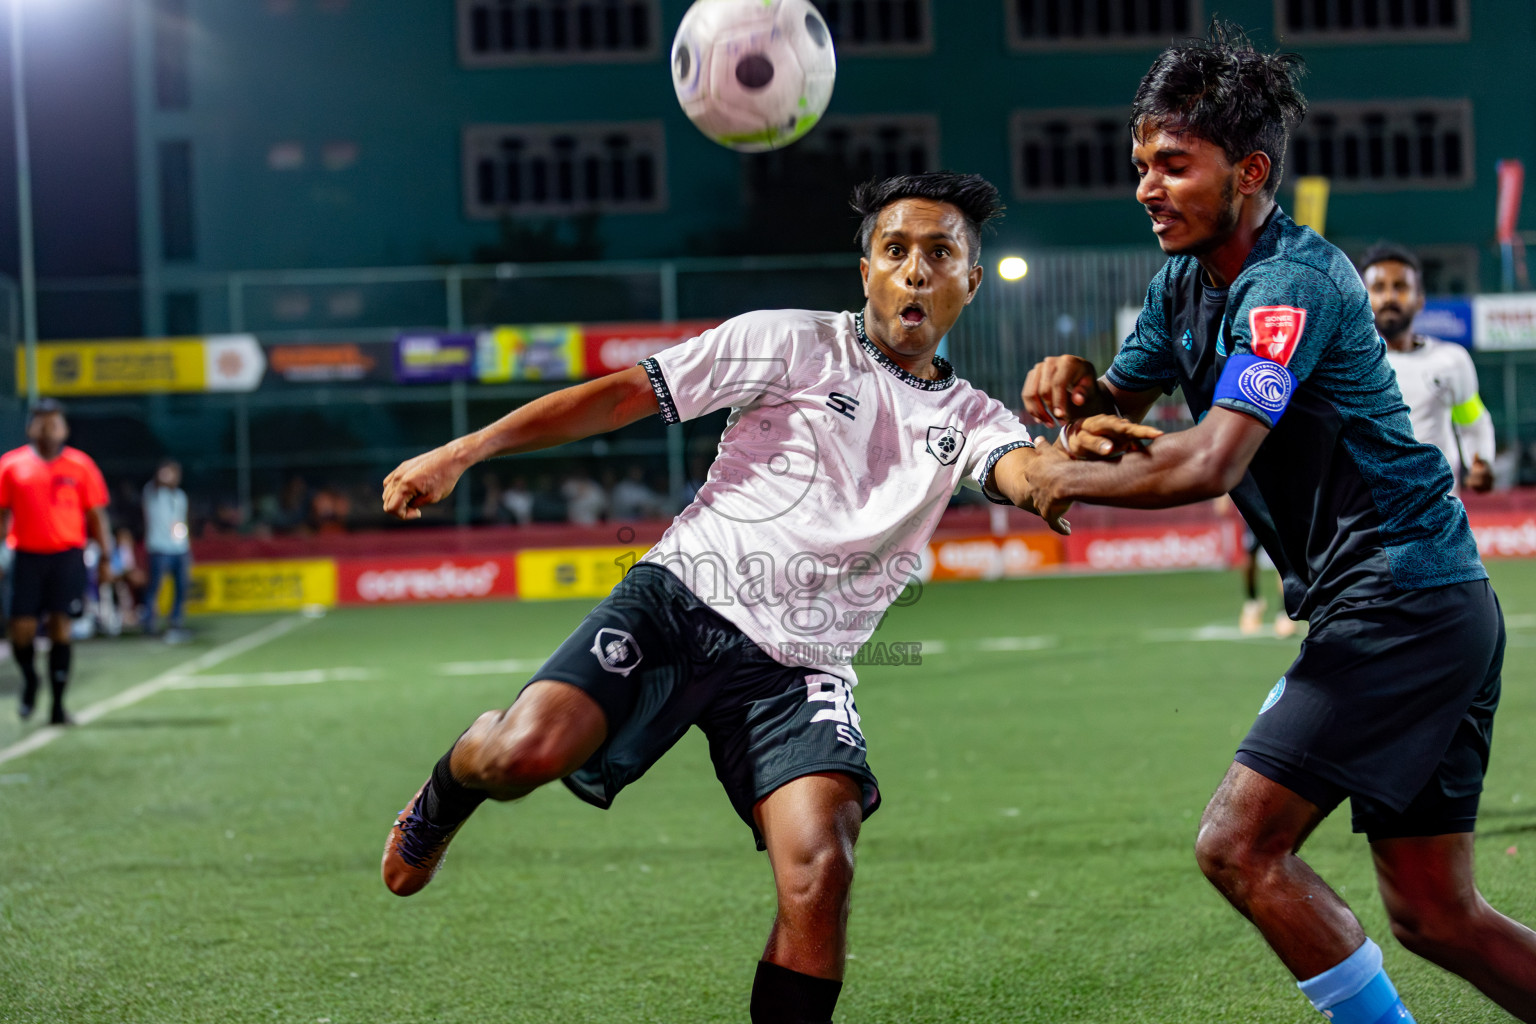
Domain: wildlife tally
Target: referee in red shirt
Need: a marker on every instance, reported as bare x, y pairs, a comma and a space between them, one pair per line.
49, 495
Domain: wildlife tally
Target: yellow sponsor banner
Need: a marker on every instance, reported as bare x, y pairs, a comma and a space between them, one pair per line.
67, 368
286, 586
549, 574
1312, 203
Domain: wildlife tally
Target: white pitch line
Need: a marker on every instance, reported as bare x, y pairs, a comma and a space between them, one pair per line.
1016, 643
304, 677
1218, 632
149, 688
488, 668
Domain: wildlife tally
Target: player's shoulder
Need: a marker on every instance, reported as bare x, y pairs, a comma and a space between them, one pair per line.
1447, 352
16, 456
1294, 261
769, 322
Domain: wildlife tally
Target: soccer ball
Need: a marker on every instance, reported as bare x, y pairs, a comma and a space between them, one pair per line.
753, 75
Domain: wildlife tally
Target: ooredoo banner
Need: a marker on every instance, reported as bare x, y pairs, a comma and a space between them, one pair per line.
612, 347
402, 580
1174, 547
992, 558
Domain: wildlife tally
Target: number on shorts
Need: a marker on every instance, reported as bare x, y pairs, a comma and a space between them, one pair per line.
836, 692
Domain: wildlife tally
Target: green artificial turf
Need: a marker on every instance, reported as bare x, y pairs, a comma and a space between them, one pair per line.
211, 855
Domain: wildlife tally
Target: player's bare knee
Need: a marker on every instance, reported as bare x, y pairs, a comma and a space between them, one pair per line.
819, 878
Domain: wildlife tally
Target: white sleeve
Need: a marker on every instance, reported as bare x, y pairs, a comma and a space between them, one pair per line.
727, 367
995, 433
1474, 427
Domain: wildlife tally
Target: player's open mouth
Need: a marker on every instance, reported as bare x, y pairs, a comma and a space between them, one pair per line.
1161, 221
913, 315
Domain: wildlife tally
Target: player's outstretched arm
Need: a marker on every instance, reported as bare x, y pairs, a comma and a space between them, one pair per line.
569, 414
1176, 469
1060, 389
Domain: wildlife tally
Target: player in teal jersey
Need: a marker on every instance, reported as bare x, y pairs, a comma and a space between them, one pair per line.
1268, 331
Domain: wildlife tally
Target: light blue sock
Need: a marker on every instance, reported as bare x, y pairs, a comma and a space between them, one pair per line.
1357, 991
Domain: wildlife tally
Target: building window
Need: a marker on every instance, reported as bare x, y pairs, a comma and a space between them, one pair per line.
172, 55
878, 26
1099, 24
564, 168
178, 239
1357, 21
499, 33
1381, 147
1072, 154
874, 146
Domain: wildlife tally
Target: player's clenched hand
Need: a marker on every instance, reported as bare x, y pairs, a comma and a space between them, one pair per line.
1059, 388
1104, 436
424, 480
1480, 476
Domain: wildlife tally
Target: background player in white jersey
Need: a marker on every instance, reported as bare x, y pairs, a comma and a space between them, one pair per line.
1437, 378
847, 436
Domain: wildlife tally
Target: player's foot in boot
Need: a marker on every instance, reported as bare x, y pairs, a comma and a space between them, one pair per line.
414, 850
1252, 619
60, 717
1285, 626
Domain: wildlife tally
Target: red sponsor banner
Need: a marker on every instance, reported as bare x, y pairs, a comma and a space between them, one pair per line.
1505, 534
992, 558
1511, 175
1216, 546
612, 347
425, 578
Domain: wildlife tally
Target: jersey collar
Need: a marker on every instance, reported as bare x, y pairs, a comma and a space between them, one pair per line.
945, 381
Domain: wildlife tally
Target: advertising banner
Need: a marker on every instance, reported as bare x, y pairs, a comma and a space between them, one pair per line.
232, 362
1505, 535
426, 357
278, 586
612, 347
1215, 546
1504, 321
331, 363
552, 574
537, 352
1446, 317
407, 580
992, 558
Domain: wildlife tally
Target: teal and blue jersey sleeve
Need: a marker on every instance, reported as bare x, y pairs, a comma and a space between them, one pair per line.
1146, 360
1285, 316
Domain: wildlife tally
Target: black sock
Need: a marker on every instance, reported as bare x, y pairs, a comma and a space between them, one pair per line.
783, 996
446, 801
59, 657
26, 660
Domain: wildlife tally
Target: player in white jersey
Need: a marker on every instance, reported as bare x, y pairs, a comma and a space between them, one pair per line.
1437, 378
846, 438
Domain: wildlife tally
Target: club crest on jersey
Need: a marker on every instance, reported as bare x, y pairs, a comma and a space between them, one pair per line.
1276, 330
1267, 386
616, 651
1276, 692
945, 443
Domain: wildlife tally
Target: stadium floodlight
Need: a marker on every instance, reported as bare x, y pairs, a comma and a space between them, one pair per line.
1012, 268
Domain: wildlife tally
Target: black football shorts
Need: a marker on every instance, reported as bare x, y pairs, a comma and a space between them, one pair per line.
658, 660
52, 583
1390, 703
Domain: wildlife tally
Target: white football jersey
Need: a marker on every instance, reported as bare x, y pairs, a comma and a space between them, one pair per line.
832, 472
1436, 376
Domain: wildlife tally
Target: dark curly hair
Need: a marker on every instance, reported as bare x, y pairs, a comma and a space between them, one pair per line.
1384, 252
975, 196
1224, 91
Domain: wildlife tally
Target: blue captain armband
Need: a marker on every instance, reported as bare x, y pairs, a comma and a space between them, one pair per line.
1257, 386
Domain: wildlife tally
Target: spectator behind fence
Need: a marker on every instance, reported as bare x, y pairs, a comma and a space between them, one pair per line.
168, 542
632, 499
517, 499
586, 503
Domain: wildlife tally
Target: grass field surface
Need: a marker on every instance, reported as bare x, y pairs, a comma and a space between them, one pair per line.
207, 850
